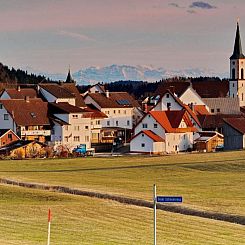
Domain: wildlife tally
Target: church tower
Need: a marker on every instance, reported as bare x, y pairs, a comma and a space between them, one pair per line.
237, 66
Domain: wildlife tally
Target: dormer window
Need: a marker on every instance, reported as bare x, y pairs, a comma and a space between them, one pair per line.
33, 115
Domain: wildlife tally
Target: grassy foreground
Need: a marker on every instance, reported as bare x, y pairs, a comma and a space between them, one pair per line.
82, 220
214, 182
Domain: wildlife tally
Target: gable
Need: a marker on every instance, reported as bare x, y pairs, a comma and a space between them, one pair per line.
190, 96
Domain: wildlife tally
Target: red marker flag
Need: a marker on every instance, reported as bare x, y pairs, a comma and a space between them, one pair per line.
49, 215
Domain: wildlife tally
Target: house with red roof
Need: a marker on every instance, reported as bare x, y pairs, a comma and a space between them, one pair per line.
28, 118
163, 132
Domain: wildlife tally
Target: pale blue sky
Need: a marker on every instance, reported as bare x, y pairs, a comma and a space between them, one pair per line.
49, 35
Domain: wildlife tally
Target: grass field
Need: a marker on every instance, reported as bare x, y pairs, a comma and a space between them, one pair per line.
214, 182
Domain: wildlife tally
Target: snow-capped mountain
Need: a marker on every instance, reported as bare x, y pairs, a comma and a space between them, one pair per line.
107, 74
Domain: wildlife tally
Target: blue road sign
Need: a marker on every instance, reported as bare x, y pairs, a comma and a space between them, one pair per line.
169, 199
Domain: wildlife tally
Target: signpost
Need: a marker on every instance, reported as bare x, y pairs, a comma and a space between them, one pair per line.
156, 199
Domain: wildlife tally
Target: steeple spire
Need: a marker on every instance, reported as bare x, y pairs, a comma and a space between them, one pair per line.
237, 52
69, 78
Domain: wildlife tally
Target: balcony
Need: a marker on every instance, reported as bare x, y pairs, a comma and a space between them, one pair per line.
35, 132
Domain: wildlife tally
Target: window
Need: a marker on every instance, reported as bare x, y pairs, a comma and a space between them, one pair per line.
233, 73
75, 116
76, 128
10, 136
155, 125
86, 138
97, 122
168, 105
66, 138
212, 110
119, 111
218, 110
116, 123
242, 96
128, 122
1, 106
108, 123
167, 95
76, 138
142, 135
233, 85
144, 125
125, 112
6, 116
86, 127
114, 111
143, 145
242, 73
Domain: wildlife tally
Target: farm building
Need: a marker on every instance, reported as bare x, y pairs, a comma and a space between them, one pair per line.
208, 141
23, 149
234, 133
7, 136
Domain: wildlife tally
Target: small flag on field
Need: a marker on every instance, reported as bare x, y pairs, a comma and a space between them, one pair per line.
49, 215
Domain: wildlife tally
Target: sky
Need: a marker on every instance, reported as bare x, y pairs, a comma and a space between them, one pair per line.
51, 35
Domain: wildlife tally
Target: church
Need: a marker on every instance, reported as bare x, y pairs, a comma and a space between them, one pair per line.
237, 65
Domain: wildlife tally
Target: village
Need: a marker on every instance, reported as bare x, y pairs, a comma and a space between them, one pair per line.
55, 119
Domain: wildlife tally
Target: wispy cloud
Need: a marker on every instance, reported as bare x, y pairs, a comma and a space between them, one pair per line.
202, 5
176, 5
78, 36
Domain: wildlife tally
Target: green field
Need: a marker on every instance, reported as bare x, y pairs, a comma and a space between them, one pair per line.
214, 182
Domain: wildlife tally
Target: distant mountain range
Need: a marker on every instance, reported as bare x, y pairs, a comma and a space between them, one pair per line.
107, 74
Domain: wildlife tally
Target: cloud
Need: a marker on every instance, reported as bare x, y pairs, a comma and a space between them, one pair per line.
78, 36
202, 5
176, 5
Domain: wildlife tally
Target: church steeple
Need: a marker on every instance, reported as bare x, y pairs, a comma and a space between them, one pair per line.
69, 77
237, 52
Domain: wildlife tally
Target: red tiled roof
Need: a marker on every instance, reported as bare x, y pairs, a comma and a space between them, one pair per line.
64, 107
71, 87
22, 93
151, 135
91, 112
236, 123
200, 110
34, 112
170, 121
57, 91
115, 100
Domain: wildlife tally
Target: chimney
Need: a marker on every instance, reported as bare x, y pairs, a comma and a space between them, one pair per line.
27, 99
107, 93
18, 88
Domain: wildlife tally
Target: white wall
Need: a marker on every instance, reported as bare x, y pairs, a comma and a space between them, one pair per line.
6, 124
5, 95
136, 144
150, 121
190, 96
162, 104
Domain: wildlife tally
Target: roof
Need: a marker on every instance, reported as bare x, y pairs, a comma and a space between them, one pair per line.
17, 144
200, 110
237, 123
34, 112
92, 112
21, 93
215, 120
151, 135
170, 121
115, 100
57, 91
64, 108
71, 87
207, 135
225, 105
4, 131
237, 52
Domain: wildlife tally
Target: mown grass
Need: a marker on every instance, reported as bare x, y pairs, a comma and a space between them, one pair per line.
212, 182
82, 220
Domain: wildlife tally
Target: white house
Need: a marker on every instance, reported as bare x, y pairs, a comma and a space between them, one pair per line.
70, 127
171, 129
121, 109
27, 118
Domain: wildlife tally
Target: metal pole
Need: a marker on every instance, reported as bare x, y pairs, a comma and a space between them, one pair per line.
49, 233
155, 213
